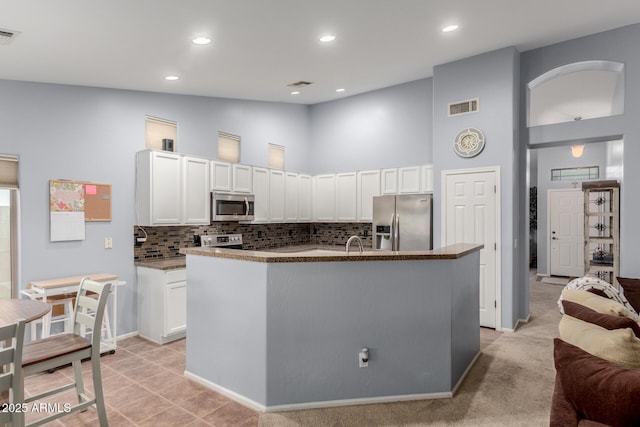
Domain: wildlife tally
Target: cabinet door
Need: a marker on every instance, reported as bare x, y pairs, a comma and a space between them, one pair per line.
291, 197
304, 198
260, 178
197, 196
276, 195
346, 204
368, 188
241, 178
389, 181
176, 308
166, 188
220, 176
409, 180
324, 197
426, 179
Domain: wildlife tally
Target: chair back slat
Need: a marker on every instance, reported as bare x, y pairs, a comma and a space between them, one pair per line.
8, 332
89, 310
88, 302
6, 356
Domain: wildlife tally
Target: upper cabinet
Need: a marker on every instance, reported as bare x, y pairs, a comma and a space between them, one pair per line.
426, 185
346, 196
242, 182
220, 176
304, 198
276, 195
324, 197
162, 196
260, 178
291, 196
409, 180
389, 181
196, 192
368, 187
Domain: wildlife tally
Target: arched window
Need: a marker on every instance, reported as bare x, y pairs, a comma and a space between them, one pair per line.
578, 91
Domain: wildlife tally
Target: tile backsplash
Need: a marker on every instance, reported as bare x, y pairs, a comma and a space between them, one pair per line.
165, 242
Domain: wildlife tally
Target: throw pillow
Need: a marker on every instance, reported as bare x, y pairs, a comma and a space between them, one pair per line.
631, 288
599, 287
606, 321
597, 303
619, 346
598, 390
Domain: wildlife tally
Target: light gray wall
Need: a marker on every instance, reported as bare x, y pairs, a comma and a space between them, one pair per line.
554, 158
617, 45
91, 134
493, 78
390, 127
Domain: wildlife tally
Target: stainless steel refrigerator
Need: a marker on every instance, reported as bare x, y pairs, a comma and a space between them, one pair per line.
402, 223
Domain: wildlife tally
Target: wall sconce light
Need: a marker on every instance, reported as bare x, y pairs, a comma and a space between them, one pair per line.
576, 150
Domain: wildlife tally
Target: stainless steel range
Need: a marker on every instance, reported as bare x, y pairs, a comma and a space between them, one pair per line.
228, 241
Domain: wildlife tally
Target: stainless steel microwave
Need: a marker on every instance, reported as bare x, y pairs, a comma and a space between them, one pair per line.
232, 207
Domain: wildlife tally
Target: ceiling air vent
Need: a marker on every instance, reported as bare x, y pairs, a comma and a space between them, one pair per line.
300, 84
464, 107
7, 36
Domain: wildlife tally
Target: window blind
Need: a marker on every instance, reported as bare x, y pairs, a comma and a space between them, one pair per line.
8, 171
228, 147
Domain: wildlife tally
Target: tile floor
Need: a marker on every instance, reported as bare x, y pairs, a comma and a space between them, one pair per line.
144, 385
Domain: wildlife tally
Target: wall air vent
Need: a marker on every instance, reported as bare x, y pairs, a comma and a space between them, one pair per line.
300, 84
464, 107
7, 36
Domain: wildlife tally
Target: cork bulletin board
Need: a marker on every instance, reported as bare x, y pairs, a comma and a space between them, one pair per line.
97, 202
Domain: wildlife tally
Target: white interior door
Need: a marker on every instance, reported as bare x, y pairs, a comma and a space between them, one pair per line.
566, 232
471, 206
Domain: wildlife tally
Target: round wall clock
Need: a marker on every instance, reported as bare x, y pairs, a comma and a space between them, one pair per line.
469, 142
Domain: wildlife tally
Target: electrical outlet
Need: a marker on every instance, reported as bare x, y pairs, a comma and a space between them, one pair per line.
108, 243
363, 358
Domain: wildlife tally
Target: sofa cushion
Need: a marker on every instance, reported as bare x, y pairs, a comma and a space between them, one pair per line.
619, 346
597, 303
606, 321
631, 288
598, 390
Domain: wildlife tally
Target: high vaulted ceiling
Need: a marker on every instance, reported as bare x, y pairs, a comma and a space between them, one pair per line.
260, 46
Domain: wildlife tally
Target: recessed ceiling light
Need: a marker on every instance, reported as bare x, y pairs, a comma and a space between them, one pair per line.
295, 92
449, 28
171, 78
327, 38
340, 90
201, 40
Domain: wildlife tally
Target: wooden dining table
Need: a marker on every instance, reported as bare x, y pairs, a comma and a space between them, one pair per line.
14, 309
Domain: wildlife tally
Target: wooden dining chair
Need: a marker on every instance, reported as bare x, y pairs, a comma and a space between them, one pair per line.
11, 384
60, 350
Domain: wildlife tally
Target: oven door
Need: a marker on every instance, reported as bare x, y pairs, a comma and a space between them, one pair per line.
231, 207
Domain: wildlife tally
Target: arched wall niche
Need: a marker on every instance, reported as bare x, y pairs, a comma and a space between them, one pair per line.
578, 91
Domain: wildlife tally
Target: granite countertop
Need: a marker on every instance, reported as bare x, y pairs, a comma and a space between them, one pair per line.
164, 264
309, 253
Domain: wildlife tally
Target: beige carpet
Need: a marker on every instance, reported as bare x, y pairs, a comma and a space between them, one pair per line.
510, 385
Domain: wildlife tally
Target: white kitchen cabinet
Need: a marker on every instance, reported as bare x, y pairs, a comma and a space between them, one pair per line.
324, 197
162, 304
409, 180
163, 195
241, 178
368, 187
276, 195
426, 179
304, 198
196, 190
291, 196
260, 177
221, 176
389, 181
346, 197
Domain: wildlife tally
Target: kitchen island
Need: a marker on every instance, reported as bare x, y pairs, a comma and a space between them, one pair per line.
283, 330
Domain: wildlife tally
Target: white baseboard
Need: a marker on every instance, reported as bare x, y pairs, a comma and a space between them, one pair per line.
323, 404
465, 373
518, 322
127, 335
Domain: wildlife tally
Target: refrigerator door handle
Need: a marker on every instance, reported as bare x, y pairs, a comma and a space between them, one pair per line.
397, 241
392, 234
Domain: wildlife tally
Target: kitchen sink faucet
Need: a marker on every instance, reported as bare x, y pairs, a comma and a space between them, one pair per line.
357, 239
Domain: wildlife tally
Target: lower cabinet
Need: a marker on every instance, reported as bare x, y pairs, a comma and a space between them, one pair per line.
162, 300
